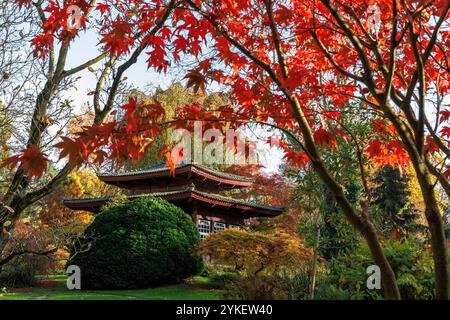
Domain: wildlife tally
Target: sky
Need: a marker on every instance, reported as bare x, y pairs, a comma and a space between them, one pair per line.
85, 47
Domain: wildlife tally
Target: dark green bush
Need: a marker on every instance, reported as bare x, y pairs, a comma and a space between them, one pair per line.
136, 245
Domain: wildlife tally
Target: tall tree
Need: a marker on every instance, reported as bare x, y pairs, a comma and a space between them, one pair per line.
36, 78
291, 65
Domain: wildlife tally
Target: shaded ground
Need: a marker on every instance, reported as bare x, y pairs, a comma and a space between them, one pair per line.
54, 288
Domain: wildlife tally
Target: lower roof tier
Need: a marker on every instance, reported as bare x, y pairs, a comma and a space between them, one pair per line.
189, 200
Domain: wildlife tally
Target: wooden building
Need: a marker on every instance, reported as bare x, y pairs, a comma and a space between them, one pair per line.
196, 189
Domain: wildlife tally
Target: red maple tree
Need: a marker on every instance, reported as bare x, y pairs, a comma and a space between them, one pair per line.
292, 65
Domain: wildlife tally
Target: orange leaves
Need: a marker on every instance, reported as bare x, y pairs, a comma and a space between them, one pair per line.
388, 153
170, 163
251, 250
72, 149
31, 159
387, 149
128, 138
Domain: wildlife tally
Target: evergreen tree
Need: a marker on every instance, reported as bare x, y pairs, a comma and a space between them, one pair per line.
397, 213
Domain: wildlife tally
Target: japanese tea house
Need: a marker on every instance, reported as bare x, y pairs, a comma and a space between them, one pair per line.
194, 188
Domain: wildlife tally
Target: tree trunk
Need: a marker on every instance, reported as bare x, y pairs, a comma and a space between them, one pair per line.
436, 227
363, 225
388, 279
314, 262
439, 247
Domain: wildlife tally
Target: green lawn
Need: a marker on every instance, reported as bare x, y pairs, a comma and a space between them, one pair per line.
197, 290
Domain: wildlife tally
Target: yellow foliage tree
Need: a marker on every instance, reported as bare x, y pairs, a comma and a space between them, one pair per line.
255, 252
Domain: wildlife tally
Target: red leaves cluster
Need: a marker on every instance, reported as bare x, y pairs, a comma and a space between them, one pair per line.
32, 160
117, 37
388, 153
386, 148
311, 75
324, 138
56, 24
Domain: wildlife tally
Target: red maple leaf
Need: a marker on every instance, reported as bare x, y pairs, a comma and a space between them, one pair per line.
31, 159
445, 132
324, 138
71, 148
374, 148
445, 115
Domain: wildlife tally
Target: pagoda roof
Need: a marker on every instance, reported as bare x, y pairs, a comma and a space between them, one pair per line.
184, 169
250, 209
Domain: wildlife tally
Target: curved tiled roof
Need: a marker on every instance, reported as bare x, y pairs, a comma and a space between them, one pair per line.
190, 192
237, 201
160, 168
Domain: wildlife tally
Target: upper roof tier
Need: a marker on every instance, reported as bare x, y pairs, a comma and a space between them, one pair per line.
159, 178
187, 199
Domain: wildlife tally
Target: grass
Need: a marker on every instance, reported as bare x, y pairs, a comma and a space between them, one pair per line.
195, 291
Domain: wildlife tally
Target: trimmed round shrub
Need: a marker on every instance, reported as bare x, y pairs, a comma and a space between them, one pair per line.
145, 242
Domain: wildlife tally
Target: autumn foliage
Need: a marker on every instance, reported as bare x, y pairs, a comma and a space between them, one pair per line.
296, 66
255, 252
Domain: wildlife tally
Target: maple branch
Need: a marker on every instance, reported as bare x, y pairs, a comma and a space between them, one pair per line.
443, 181
310, 146
85, 65
392, 53
419, 129
276, 39
436, 138
367, 75
50, 186
100, 84
51, 56
22, 252
426, 54
100, 114
332, 61
222, 32
127, 64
